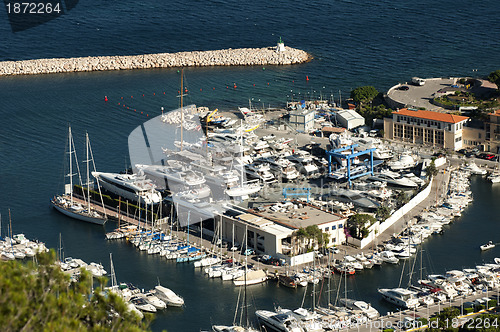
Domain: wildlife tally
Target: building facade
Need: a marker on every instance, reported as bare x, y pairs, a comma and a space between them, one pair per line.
442, 130
302, 119
492, 128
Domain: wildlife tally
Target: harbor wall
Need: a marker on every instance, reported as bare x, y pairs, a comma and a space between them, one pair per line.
423, 194
227, 57
378, 228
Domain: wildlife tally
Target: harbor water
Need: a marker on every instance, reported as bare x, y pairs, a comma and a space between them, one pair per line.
354, 43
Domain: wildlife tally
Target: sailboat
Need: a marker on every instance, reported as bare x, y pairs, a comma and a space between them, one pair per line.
234, 327
65, 203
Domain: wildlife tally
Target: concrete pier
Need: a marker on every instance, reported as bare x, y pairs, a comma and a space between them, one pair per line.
227, 57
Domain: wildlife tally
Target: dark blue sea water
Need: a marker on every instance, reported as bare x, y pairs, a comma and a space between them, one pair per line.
354, 43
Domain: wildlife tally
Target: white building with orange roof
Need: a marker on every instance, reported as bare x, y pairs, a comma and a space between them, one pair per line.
436, 129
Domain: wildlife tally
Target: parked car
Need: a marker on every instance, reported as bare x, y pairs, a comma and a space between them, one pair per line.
404, 88
249, 252
486, 156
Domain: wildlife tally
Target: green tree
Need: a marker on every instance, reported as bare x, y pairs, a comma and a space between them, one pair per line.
383, 212
431, 169
494, 77
401, 198
443, 320
357, 225
40, 297
364, 94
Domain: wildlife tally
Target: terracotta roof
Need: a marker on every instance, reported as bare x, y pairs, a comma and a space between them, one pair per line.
496, 113
333, 129
429, 115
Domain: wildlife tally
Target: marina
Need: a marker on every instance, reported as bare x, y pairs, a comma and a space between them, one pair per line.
253, 228
447, 196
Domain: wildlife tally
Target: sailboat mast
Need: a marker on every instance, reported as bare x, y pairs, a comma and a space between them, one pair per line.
241, 153
182, 104
70, 140
246, 256
314, 284
88, 175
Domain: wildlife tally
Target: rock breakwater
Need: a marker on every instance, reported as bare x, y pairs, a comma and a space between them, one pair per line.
227, 57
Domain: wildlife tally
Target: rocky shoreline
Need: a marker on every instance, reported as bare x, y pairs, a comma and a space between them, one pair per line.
227, 57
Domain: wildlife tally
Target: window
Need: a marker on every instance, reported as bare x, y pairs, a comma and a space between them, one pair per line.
334, 227
328, 228
479, 135
458, 139
341, 225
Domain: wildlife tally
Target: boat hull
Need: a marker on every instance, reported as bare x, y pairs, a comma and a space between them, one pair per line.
79, 216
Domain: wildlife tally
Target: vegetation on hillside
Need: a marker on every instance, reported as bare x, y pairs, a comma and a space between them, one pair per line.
40, 297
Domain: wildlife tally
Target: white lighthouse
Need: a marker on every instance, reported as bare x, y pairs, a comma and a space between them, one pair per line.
281, 46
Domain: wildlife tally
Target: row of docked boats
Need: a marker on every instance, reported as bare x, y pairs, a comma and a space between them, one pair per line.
140, 301
437, 288
350, 314
19, 247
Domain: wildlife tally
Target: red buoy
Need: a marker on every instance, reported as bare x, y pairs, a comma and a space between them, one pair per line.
307, 78
105, 98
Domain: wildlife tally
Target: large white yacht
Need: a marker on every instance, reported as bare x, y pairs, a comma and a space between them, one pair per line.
392, 178
283, 322
261, 172
366, 308
400, 297
129, 186
175, 178
365, 143
304, 161
404, 161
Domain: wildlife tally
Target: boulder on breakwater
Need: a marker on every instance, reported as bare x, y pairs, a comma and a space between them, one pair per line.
228, 57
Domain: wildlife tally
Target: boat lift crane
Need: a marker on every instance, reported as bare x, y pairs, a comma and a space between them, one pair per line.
338, 153
297, 192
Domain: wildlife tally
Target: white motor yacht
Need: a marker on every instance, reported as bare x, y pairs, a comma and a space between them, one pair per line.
365, 143
284, 322
474, 169
175, 178
388, 257
366, 308
261, 172
404, 161
168, 296
129, 186
399, 296
304, 161
151, 298
392, 178
142, 304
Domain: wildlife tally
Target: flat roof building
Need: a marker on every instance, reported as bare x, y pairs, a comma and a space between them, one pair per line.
350, 119
271, 230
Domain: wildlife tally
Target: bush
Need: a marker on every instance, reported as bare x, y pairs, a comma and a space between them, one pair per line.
479, 307
492, 303
422, 320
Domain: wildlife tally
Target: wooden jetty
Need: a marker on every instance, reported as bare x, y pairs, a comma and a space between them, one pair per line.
113, 214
